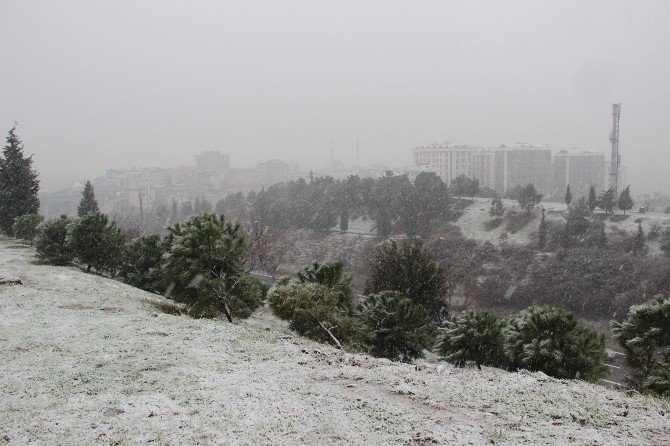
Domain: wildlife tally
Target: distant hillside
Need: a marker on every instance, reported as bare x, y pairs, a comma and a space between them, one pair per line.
88, 360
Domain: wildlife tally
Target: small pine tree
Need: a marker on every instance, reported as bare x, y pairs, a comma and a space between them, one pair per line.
204, 268
551, 340
593, 198
18, 183
332, 275
88, 202
411, 269
141, 263
496, 209
313, 310
392, 327
640, 242
96, 243
602, 237
51, 243
25, 226
645, 338
606, 201
625, 200
473, 337
568, 195
542, 232
529, 198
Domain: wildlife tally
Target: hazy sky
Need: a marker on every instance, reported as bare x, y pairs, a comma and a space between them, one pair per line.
96, 85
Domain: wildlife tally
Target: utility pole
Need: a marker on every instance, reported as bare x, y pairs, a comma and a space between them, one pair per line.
615, 160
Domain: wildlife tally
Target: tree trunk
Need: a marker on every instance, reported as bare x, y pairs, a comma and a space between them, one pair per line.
88, 268
328, 332
226, 308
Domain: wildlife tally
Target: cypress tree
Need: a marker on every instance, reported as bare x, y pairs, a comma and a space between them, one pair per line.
625, 200
88, 202
568, 195
496, 209
18, 183
542, 232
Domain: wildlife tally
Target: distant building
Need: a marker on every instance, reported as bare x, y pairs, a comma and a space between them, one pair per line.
212, 162
580, 170
519, 164
448, 160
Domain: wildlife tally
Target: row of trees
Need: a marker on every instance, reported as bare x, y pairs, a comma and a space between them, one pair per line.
606, 201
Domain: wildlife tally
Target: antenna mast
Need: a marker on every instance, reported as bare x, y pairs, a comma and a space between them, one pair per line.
615, 157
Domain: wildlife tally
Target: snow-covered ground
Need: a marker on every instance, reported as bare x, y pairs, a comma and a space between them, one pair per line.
87, 360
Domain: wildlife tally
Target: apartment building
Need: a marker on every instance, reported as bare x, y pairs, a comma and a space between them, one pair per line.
580, 170
521, 163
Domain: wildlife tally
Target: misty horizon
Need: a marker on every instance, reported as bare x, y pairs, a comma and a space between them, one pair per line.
96, 85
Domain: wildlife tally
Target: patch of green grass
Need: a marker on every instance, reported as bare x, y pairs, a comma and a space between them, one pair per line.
18, 247
168, 308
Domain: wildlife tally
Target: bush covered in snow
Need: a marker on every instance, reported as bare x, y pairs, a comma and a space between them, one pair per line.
552, 341
393, 327
25, 226
645, 337
473, 337
96, 243
51, 243
141, 262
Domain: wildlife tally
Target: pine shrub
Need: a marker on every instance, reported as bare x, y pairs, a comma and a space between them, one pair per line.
393, 327
552, 341
96, 243
25, 226
311, 309
141, 262
645, 337
473, 337
51, 242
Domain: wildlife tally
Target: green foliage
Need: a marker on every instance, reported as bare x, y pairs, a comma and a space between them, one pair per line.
141, 263
645, 338
233, 206
333, 276
25, 226
473, 337
496, 209
576, 223
606, 201
96, 243
51, 243
204, 268
640, 244
411, 269
18, 183
568, 195
308, 306
432, 198
552, 341
88, 202
517, 221
625, 200
529, 198
393, 327
463, 185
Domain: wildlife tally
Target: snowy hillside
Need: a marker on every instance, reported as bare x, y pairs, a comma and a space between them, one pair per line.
88, 360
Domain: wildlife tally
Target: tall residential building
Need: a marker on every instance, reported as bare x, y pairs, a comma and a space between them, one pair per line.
212, 162
519, 164
580, 170
449, 161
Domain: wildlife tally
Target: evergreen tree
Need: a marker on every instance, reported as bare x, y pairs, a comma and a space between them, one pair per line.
331, 275
496, 210
313, 310
645, 338
204, 268
551, 340
410, 269
602, 237
51, 243
174, 215
25, 226
568, 195
473, 337
88, 202
576, 223
542, 233
393, 327
529, 198
606, 201
640, 243
432, 200
593, 198
186, 210
18, 183
96, 243
625, 200
141, 262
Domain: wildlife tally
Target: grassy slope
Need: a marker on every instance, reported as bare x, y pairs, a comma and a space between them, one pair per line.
86, 360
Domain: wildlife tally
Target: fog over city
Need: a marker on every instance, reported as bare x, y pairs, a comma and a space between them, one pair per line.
96, 85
